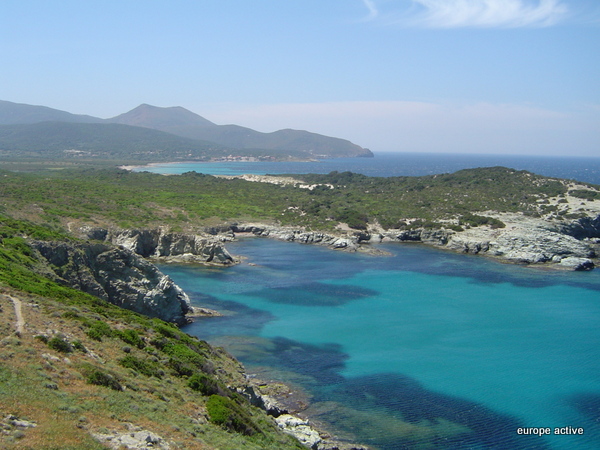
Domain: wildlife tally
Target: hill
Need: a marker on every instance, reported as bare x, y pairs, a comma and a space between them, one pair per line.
53, 140
77, 372
19, 113
182, 122
185, 135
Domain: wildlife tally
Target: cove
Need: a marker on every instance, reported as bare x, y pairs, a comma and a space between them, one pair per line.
420, 348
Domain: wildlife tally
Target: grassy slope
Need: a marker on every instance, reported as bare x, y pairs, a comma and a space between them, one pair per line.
83, 365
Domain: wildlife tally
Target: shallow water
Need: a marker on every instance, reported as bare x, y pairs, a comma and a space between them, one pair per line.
423, 347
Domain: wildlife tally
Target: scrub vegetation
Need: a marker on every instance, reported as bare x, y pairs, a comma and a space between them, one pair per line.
127, 199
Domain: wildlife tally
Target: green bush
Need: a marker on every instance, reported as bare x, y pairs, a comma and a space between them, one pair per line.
131, 337
99, 329
60, 344
143, 366
206, 385
185, 354
475, 220
78, 345
225, 412
41, 337
100, 378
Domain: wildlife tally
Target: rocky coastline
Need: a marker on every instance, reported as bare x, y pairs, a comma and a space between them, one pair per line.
573, 245
116, 264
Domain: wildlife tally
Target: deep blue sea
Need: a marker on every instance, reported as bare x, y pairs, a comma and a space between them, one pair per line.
420, 349
400, 164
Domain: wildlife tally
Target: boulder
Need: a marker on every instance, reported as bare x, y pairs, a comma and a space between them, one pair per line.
300, 429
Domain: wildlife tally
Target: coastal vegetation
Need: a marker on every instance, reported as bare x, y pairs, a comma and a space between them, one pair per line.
128, 199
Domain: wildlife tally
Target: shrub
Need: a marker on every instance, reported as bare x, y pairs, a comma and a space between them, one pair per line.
185, 354
60, 344
99, 329
475, 220
43, 338
78, 345
225, 412
142, 366
206, 385
131, 337
166, 330
99, 378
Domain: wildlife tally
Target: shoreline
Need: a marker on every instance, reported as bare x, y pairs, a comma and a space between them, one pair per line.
132, 168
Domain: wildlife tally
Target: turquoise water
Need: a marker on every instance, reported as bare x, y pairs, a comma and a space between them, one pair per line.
399, 164
421, 349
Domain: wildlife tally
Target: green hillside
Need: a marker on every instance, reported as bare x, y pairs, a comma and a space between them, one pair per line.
182, 122
131, 199
148, 133
72, 365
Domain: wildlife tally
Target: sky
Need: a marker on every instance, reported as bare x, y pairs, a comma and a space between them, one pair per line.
461, 76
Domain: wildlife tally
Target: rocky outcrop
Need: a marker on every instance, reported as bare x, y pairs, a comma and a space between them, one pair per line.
427, 236
134, 438
524, 240
586, 227
291, 234
117, 275
300, 429
527, 240
160, 244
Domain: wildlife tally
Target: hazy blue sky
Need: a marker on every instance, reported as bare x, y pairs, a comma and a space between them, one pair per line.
486, 76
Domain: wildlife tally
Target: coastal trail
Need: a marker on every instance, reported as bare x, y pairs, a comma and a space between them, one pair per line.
20, 323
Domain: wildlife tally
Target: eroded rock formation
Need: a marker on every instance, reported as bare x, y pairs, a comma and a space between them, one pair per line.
117, 275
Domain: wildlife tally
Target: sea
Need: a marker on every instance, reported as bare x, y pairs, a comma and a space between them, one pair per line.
422, 348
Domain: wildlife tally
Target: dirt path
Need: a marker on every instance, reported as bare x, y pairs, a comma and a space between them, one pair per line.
20, 324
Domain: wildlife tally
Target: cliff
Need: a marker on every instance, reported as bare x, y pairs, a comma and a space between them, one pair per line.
116, 275
160, 244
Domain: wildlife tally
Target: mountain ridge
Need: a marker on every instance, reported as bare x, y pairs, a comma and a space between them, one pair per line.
182, 123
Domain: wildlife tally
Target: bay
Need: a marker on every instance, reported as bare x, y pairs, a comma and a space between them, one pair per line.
398, 164
424, 348
421, 349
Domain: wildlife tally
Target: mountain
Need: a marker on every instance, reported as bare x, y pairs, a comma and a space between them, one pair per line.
16, 113
101, 140
161, 134
180, 121
165, 119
